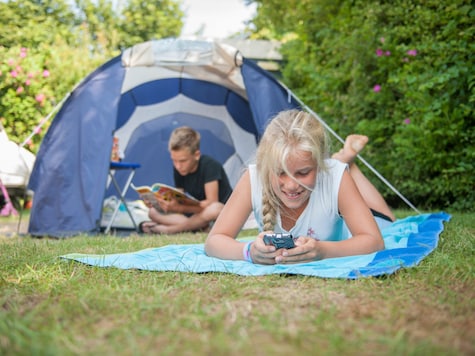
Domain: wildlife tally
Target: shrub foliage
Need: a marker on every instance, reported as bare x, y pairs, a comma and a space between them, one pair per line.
48, 47
401, 72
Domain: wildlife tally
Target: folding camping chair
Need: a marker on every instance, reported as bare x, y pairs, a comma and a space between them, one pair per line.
115, 166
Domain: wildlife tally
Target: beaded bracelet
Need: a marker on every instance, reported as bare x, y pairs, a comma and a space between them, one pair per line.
246, 251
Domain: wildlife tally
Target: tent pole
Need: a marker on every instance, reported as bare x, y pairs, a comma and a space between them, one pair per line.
37, 128
384, 180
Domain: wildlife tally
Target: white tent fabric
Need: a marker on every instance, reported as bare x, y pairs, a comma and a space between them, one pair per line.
16, 162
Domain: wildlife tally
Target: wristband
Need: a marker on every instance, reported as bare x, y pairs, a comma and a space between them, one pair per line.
246, 251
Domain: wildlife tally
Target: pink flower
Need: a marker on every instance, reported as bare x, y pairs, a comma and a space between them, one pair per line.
19, 90
30, 75
407, 121
37, 130
382, 39
46, 73
27, 82
387, 53
40, 97
377, 88
11, 62
22, 54
14, 73
412, 52
379, 52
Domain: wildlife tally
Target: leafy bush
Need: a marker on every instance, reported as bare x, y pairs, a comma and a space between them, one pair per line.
25, 96
32, 82
49, 47
401, 72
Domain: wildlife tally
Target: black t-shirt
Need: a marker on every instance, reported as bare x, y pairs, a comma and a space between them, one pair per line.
208, 170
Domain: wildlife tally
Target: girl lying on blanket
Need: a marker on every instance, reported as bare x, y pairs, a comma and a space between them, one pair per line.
295, 188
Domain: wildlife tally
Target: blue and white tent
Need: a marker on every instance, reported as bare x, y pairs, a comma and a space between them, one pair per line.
140, 97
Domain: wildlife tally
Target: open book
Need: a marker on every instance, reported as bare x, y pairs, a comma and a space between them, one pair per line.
165, 192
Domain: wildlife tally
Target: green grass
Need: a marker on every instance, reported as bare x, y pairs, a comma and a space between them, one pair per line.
50, 306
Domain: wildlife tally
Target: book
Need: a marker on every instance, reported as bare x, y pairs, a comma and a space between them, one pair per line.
164, 192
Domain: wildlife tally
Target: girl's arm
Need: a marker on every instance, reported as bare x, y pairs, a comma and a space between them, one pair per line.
366, 236
221, 241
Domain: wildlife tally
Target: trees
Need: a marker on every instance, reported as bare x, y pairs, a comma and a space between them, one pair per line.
401, 72
48, 46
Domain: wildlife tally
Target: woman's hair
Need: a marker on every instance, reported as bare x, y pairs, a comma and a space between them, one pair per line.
289, 131
184, 137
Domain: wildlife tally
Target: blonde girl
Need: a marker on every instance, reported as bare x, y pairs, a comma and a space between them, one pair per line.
295, 187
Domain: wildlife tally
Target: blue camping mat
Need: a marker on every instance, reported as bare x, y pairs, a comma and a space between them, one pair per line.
407, 242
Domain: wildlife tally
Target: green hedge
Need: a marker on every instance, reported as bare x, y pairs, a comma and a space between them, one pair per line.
401, 72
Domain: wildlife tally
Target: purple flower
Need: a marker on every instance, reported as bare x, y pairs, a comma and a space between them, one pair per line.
377, 88
412, 52
387, 53
379, 52
407, 121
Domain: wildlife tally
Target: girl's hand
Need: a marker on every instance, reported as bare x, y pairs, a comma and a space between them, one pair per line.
306, 249
263, 254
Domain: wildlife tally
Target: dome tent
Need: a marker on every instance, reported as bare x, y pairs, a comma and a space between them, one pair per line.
139, 97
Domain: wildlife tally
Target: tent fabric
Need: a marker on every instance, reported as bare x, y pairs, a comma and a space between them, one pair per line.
16, 162
140, 97
407, 242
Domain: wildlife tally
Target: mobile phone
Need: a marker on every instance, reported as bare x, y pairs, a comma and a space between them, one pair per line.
279, 240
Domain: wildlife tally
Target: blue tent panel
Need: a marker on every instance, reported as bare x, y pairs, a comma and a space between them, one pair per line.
72, 164
149, 143
70, 175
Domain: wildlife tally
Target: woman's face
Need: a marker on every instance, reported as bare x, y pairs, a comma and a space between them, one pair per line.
292, 189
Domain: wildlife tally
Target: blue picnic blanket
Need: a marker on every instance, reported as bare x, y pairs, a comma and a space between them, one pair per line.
407, 242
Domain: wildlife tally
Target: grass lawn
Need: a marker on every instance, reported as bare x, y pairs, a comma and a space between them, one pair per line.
54, 307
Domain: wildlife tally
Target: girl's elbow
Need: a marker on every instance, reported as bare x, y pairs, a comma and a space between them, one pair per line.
210, 245
379, 244
207, 246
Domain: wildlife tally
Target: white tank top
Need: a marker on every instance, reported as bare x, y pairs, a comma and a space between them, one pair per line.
320, 219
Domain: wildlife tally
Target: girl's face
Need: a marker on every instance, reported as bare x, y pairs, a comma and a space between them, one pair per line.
293, 190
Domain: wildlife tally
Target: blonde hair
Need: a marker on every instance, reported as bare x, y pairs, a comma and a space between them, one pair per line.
184, 138
289, 131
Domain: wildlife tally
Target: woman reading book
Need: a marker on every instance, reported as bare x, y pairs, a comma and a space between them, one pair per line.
198, 175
